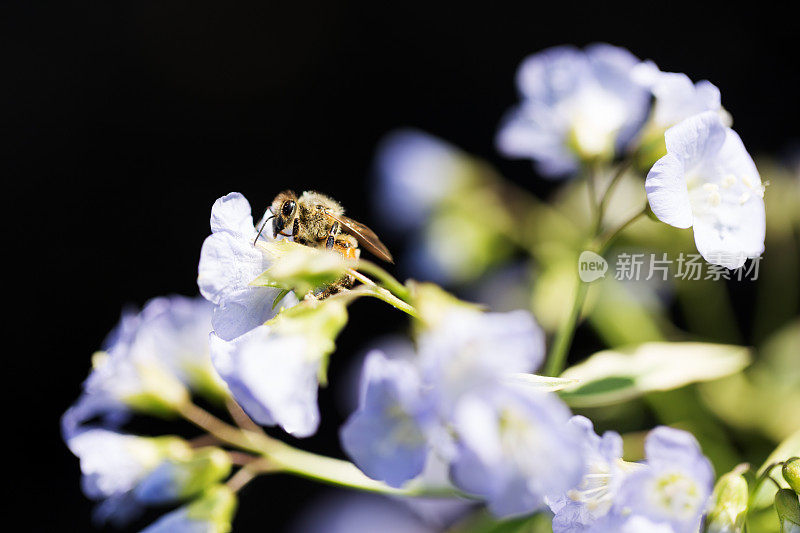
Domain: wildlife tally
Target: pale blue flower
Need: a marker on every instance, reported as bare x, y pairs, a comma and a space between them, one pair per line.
470, 351
113, 464
455, 399
386, 436
581, 506
515, 447
576, 105
272, 376
211, 513
176, 328
180, 478
229, 261
675, 485
149, 361
676, 97
415, 172
709, 182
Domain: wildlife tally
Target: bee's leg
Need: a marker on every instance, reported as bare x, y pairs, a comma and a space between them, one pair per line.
329, 242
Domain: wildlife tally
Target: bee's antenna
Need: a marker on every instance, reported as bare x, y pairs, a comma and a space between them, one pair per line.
262, 228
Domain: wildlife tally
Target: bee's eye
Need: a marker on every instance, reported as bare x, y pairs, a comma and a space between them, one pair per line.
288, 208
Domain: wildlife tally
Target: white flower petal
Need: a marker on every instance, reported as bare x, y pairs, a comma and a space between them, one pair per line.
272, 376
697, 137
667, 192
231, 213
227, 262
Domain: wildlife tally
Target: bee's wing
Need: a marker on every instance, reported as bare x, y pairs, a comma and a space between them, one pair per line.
365, 236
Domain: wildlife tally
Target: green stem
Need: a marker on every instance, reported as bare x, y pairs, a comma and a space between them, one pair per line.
383, 294
386, 279
767, 474
250, 441
609, 237
277, 456
557, 357
369, 288
591, 185
624, 166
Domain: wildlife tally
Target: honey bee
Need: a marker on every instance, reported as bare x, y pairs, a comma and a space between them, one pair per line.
318, 221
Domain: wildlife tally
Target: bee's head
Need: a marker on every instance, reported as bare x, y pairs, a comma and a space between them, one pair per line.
284, 209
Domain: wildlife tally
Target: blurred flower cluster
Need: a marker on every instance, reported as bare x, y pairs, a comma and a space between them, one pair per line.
483, 419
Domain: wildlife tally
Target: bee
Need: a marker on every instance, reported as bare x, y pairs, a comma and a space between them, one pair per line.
318, 221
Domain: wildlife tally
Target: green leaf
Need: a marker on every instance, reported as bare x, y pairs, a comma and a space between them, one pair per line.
281, 295
788, 510
614, 376
541, 383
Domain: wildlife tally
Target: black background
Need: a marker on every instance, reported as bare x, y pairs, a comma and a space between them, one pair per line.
122, 122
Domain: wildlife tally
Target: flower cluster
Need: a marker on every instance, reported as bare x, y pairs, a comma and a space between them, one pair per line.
666, 493
512, 445
576, 105
454, 398
150, 364
459, 414
580, 109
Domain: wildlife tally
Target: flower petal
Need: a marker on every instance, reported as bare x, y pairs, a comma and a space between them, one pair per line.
667, 192
231, 213
696, 138
272, 377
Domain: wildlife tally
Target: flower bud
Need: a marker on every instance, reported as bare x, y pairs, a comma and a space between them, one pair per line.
728, 504
788, 509
791, 473
183, 477
212, 512
215, 507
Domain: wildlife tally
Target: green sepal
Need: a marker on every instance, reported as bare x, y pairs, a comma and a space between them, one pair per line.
788, 509
206, 467
301, 268
215, 507
433, 303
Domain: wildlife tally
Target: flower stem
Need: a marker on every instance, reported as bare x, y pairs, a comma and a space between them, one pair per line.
247, 440
277, 456
609, 237
766, 474
621, 169
369, 288
557, 357
387, 280
591, 186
